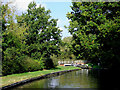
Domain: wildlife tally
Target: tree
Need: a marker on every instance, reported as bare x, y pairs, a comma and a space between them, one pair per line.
12, 37
66, 49
28, 43
66, 54
95, 29
43, 36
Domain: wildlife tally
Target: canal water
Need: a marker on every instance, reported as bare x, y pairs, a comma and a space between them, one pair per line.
91, 79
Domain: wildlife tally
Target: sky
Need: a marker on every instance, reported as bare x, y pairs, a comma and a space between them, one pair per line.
59, 11
58, 8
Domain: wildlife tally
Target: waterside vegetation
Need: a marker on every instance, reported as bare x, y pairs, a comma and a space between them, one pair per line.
10, 79
32, 41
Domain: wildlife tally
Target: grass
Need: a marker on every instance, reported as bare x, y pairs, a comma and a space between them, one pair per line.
10, 79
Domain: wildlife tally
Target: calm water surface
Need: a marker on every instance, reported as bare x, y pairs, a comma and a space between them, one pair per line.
77, 79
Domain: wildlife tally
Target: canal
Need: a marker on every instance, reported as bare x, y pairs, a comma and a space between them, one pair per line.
95, 79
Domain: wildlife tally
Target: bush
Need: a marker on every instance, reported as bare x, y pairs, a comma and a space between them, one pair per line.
11, 61
14, 62
55, 60
48, 63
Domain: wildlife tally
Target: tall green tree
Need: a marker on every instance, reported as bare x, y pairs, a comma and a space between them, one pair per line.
95, 29
44, 35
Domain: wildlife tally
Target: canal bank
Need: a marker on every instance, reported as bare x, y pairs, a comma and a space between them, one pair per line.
19, 79
84, 79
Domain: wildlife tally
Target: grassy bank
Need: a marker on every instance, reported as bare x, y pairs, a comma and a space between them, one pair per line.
7, 80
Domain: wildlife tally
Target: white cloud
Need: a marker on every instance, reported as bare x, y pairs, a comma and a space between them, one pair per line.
61, 28
22, 5
58, 22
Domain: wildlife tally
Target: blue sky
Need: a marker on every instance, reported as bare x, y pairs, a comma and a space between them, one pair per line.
59, 9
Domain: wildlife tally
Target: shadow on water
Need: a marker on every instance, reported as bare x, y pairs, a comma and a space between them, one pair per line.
82, 80
109, 79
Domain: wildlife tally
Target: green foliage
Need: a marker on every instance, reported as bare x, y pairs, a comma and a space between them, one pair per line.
54, 59
14, 62
95, 29
66, 53
48, 63
96, 67
30, 64
11, 62
10, 79
43, 36
28, 43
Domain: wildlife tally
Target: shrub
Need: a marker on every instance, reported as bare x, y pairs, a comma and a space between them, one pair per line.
14, 62
11, 61
48, 63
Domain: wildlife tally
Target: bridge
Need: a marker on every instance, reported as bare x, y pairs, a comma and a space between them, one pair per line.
71, 62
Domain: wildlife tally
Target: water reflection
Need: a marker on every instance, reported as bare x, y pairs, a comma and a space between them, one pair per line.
53, 83
77, 79
99, 79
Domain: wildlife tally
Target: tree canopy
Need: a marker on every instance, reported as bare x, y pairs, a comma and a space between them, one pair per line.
95, 27
28, 40
44, 35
